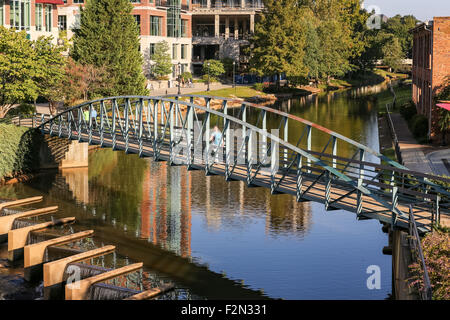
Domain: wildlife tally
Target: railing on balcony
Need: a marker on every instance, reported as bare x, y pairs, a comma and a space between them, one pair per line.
226, 4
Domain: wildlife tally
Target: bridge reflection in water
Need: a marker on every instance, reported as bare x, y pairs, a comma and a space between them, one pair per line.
301, 255
164, 200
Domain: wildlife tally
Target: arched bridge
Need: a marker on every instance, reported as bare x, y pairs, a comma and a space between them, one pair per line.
261, 146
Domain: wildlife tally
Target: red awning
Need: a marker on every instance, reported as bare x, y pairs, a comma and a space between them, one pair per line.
444, 106
50, 1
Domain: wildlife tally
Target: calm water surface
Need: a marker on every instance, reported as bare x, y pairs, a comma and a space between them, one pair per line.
224, 240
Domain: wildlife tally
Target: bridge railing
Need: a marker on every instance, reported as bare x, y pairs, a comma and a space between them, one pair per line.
259, 144
424, 287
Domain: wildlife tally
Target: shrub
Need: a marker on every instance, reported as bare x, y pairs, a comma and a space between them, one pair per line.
19, 150
211, 79
436, 251
408, 110
186, 76
419, 126
24, 109
258, 86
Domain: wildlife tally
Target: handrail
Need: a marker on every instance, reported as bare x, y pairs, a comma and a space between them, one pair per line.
414, 241
122, 122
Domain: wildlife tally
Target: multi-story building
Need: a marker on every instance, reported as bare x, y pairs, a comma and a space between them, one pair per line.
159, 20
36, 17
195, 30
431, 66
221, 28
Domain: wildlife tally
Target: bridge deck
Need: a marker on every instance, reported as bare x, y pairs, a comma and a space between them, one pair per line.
371, 209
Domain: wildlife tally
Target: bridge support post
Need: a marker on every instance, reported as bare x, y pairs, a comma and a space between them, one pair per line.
90, 123
155, 130
334, 146
309, 145
80, 122
359, 199
264, 138
190, 129
172, 134
394, 205
285, 138
244, 133
102, 123
299, 177
207, 134
141, 110
274, 164
127, 123
113, 133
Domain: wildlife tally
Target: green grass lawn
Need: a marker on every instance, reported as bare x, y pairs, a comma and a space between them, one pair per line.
239, 92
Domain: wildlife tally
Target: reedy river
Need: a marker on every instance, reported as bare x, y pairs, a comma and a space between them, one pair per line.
220, 239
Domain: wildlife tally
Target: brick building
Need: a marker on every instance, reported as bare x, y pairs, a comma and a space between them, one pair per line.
431, 66
195, 30
168, 20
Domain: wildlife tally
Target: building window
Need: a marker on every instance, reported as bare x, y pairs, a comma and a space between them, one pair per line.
184, 24
155, 25
78, 1
137, 18
38, 17
183, 51
62, 23
19, 14
173, 18
135, 1
48, 18
174, 51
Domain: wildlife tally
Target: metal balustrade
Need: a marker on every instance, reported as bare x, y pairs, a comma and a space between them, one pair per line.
262, 146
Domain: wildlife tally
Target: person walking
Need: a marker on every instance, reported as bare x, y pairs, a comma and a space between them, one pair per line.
216, 140
94, 118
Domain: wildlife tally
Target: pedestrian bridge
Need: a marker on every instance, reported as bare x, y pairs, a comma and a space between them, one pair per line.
263, 147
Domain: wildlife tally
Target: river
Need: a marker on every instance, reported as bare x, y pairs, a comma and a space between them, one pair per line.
220, 239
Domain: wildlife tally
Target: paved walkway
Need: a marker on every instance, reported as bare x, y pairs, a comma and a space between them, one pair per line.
198, 87
440, 161
413, 153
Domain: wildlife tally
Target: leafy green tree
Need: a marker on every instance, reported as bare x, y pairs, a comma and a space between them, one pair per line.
108, 37
18, 69
51, 71
392, 53
279, 40
162, 61
213, 68
399, 27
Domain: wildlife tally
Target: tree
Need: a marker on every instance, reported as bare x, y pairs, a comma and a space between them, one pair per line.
51, 65
278, 48
18, 69
108, 37
392, 53
81, 82
399, 27
213, 68
162, 61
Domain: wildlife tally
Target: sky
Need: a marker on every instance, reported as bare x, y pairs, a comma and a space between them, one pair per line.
421, 9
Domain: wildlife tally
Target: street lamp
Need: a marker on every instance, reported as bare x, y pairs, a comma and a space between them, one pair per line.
208, 64
179, 78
